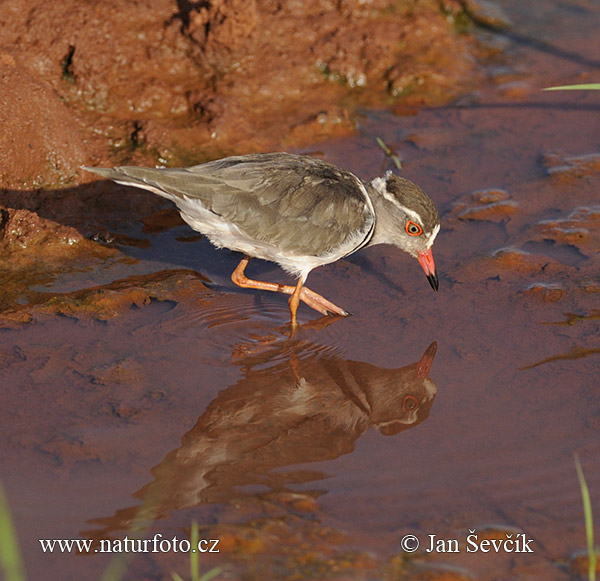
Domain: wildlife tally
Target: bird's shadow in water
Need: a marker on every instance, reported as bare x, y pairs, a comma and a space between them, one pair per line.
140, 225
297, 402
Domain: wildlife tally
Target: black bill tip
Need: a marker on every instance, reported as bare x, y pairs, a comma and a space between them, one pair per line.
433, 281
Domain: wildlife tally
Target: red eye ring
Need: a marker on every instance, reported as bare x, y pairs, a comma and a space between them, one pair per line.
413, 229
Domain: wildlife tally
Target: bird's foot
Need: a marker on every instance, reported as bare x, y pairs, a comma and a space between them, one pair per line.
321, 304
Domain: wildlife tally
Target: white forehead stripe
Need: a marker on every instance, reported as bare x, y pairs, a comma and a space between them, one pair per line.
380, 185
432, 236
410, 213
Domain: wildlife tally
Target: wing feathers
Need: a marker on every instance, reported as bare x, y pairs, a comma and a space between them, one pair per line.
299, 204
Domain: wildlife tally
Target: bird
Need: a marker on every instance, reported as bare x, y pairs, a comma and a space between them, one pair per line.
295, 210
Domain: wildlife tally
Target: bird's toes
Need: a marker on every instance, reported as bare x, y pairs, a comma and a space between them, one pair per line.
338, 313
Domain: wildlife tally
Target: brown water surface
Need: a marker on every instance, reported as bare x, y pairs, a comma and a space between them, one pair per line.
314, 456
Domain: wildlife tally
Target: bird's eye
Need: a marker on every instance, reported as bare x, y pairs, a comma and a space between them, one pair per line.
413, 229
409, 403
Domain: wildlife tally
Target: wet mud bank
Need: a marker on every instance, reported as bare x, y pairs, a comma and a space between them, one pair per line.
177, 82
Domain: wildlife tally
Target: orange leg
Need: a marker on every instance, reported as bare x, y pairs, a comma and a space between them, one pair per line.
294, 301
298, 293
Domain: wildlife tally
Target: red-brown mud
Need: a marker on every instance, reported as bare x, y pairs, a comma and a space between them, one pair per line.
160, 81
141, 389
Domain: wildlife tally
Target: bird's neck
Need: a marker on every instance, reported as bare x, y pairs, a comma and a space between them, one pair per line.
382, 217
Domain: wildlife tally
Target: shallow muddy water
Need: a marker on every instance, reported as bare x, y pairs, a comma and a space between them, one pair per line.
314, 456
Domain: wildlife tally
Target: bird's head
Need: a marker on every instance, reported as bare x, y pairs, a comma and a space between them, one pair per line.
408, 219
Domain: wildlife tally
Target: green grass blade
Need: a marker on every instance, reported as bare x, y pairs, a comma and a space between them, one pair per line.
116, 568
10, 558
211, 574
195, 559
383, 146
194, 556
584, 87
389, 153
589, 520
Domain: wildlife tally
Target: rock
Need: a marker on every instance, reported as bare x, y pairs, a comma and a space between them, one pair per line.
41, 143
566, 168
549, 293
493, 205
23, 230
580, 229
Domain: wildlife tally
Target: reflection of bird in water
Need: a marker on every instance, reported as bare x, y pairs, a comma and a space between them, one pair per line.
298, 409
294, 210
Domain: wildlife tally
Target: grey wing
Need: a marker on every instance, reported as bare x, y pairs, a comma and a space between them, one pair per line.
299, 204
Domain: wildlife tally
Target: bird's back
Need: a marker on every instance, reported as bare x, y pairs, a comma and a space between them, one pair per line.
285, 203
